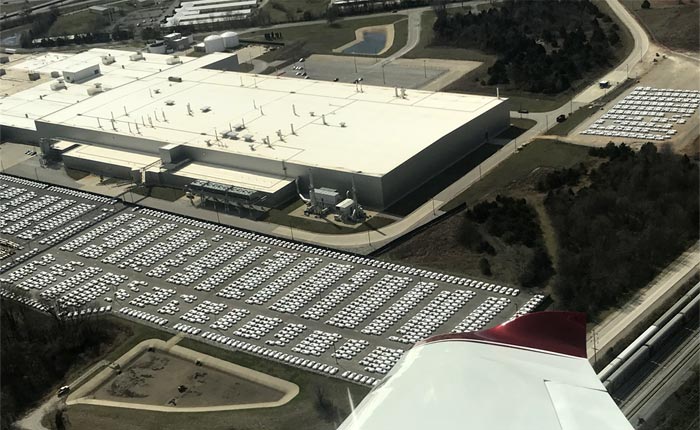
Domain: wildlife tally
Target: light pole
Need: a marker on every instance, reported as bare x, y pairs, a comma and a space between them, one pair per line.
355, 61
335, 353
425, 69
595, 348
383, 76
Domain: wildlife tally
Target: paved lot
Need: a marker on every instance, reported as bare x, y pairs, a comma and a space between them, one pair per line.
400, 73
277, 299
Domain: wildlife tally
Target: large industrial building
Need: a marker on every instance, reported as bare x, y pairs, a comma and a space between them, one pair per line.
199, 12
159, 121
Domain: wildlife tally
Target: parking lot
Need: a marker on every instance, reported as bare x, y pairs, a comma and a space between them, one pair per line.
653, 114
399, 73
326, 311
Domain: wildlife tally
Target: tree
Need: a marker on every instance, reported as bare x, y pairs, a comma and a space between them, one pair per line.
646, 4
485, 266
332, 13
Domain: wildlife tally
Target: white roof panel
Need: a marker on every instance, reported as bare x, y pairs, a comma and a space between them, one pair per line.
335, 124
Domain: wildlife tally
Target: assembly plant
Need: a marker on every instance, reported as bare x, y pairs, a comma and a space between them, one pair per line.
166, 120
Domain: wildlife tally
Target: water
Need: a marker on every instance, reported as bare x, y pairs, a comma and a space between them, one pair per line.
374, 42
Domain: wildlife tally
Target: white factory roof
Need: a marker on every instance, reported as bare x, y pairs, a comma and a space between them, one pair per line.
372, 131
134, 160
22, 108
240, 178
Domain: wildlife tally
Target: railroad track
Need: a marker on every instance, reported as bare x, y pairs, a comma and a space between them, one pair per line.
682, 355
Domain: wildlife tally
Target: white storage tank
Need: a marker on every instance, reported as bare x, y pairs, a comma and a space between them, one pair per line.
213, 43
230, 39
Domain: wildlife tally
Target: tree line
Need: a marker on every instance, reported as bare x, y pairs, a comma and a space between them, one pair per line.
541, 46
638, 212
515, 222
36, 351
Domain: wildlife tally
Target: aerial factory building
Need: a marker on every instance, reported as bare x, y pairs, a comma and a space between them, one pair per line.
193, 123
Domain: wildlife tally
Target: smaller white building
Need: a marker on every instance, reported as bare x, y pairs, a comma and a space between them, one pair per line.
80, 72
230, 39
213, 43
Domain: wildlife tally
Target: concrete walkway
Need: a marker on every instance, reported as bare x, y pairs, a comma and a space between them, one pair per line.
83, 395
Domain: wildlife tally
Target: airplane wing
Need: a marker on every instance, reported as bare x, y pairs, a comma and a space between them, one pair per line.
529, 373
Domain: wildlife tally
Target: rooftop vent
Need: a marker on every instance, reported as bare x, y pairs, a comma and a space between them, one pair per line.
95, 90
136, 56
173, 60
205, 109
248, 137
170, 102
108, 59
58, 85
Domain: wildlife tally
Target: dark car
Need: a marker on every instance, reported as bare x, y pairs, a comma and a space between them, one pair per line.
63, 391
561, 118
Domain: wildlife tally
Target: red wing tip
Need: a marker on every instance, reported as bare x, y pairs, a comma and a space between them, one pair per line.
558, 331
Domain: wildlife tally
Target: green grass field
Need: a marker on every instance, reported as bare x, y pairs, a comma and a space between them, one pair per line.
471, 82
424, 49
79, 22
538, 154
293, 10
323, 38
302, 412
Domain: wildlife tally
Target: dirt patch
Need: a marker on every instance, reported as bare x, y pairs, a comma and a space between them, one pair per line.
672, 23
158, 378
439, 248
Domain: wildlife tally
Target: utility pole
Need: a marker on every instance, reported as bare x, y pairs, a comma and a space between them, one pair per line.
595, 347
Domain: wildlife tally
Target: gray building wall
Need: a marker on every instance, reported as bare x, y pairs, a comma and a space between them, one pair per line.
20, 135
111, 170
373, 191
442, 154
78, 76
104, 137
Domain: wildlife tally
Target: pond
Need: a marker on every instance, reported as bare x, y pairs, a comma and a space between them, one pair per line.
372, 44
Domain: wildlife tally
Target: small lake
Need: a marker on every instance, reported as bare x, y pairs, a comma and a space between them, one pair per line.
373, 44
